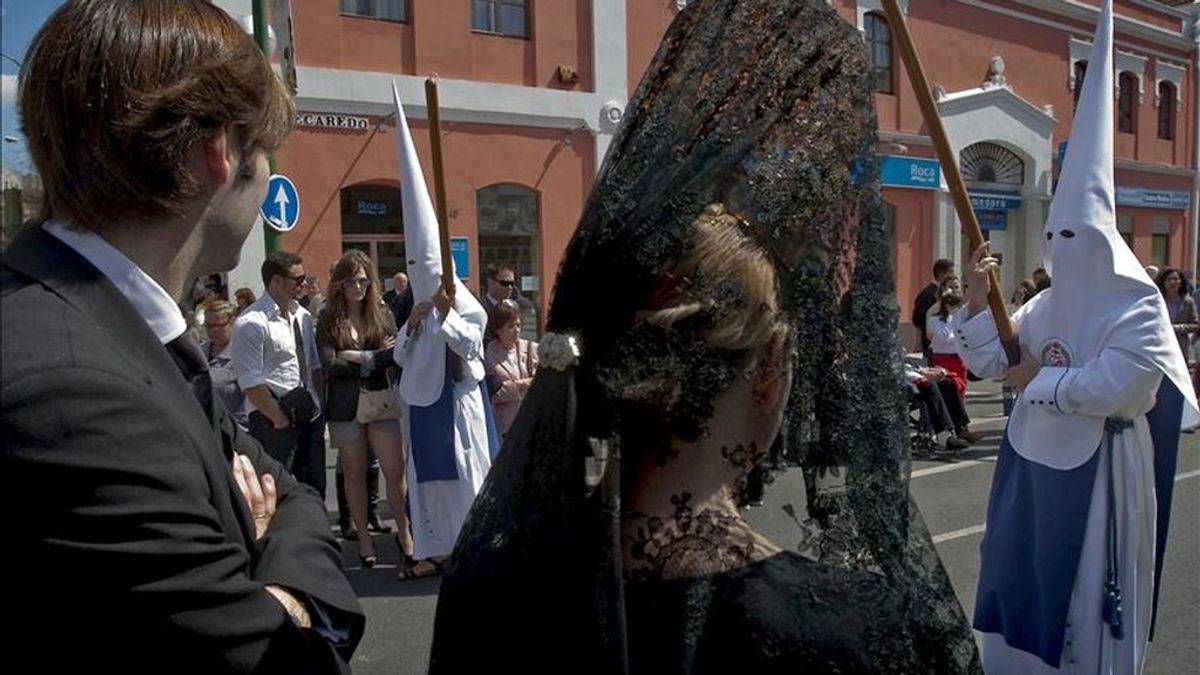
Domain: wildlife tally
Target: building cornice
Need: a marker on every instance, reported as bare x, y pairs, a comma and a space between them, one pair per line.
1088, 15
904, 137
1081, 11
1151, 167
369, 93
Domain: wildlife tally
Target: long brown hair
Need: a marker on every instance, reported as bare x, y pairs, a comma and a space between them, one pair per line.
335, 318
114, 94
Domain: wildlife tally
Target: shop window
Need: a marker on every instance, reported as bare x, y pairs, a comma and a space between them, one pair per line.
1125, 228
388, 10
1160, 249
509, 18
1166, 111
371, 209
373, 222
1125, 103
1160, 242
879, 50
1080, 73
510, 236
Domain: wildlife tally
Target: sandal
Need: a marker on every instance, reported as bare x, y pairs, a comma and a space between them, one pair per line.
419, 569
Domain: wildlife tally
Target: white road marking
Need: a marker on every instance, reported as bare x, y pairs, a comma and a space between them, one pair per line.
980, 529
958, 534
965, 464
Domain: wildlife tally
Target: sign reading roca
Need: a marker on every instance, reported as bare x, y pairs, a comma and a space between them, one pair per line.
332, 121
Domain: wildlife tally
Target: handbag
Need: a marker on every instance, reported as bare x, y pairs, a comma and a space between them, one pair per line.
298, 405
376, 406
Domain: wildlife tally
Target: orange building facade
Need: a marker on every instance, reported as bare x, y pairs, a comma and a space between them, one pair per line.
533, 90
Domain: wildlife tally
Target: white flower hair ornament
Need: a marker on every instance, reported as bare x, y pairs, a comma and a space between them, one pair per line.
558, 351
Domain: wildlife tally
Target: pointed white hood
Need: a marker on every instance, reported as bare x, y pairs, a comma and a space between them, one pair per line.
425, 370
1097, 282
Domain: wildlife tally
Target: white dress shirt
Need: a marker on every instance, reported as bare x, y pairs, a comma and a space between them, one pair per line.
149, 299
264, 349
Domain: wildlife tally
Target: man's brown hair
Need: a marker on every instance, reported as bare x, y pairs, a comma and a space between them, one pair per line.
115, 93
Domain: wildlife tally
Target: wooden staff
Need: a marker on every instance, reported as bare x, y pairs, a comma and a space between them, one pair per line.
949, 162
439, 183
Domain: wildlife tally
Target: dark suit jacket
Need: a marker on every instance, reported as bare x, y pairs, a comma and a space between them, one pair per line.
129, 548
924, 300
401, 305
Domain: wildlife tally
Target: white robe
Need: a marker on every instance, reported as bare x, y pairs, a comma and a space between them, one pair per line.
1120, 384
438, 509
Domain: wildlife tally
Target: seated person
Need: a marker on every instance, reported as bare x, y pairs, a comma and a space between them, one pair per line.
934, 392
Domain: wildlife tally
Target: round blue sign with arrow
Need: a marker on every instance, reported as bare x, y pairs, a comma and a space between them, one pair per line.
281, 208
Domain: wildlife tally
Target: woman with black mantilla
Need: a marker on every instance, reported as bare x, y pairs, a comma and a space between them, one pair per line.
607, 538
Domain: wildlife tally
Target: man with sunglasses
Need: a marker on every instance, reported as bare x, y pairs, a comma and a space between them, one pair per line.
277, 366
501, 286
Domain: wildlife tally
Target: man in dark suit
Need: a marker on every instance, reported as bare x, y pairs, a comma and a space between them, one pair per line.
399, 299
144, 532
942, 268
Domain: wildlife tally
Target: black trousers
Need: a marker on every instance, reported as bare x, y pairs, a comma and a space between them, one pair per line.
300, 447
941, 405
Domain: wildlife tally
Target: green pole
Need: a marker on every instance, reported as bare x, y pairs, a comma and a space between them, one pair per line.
271, 237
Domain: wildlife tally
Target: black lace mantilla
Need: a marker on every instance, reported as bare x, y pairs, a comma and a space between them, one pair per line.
764, 106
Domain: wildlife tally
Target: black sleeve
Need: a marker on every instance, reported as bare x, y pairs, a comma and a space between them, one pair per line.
131, 529
330, 363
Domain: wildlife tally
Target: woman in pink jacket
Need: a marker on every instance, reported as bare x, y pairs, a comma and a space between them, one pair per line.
510, 361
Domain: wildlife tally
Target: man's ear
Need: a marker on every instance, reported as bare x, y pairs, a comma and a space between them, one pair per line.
217, 157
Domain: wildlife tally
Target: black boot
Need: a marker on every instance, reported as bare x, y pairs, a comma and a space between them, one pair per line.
374, 524
345, 522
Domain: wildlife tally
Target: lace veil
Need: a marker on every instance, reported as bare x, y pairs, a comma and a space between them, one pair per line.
764, 106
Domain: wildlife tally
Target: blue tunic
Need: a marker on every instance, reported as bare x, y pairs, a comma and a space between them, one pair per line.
1036, 520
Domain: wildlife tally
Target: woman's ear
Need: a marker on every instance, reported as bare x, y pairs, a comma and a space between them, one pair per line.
770, 374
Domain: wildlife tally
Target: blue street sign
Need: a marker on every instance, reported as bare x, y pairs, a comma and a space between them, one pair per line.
995, 201
910, 172
991, 219
281, 208
461, 255
1177, 200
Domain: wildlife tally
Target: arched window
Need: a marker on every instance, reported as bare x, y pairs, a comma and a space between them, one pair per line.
510, 236
879, 49
1166, 111
1126, 103
1080, 73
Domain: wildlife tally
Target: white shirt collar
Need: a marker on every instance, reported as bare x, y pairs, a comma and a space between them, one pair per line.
149, 299
267, 305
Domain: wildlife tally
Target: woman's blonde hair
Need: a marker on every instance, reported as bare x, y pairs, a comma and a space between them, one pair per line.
219, 308
702, 325
728, 277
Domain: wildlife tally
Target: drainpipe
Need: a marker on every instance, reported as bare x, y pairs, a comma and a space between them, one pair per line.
1194, 229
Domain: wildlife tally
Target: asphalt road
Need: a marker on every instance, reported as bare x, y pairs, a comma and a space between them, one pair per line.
952, 496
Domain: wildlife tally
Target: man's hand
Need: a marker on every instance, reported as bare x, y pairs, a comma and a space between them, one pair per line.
979, 279
259, 494
417, 315
443, 302
294, 607
1023, 373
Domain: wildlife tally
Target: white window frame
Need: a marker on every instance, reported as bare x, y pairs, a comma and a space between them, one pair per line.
1124, 62
375, 12
867, 6
1165, 71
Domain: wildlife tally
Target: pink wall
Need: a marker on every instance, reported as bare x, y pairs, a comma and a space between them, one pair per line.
476, 156
438, 39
